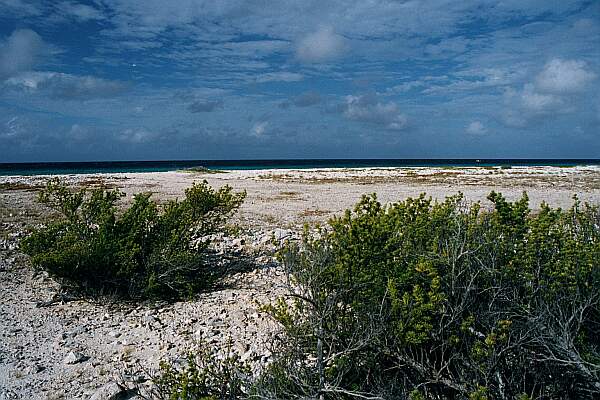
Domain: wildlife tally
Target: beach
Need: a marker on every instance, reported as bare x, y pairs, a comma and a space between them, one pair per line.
53, 348
292, 197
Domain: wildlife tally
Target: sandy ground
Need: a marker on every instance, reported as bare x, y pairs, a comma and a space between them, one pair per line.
35, 342
279, 198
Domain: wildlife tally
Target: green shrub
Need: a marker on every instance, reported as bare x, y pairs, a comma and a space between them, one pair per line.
146, 250
204, 377
444, 301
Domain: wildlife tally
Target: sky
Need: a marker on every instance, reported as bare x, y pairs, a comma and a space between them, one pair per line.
233, 79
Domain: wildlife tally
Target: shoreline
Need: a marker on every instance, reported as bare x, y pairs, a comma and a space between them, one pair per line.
128, 167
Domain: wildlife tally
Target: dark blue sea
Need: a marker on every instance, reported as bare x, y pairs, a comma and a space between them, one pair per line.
50, 168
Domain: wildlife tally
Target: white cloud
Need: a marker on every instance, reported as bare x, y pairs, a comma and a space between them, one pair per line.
321, 46
446, 47
20, 52
137, 135
538, 102
279, 77
65, 86
79, 133
564, 76
555, 90
11, 128
18, 130
526, 105
21, 8
79, 12
366, 108
259, 128
476, 128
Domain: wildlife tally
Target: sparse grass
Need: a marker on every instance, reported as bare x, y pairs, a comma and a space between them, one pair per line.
270, 219
19, 186
128, 351
314, 213
287, 195
96, 183
472, 176
233, 229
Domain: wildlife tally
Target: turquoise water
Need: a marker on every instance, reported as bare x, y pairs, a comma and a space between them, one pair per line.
158, 166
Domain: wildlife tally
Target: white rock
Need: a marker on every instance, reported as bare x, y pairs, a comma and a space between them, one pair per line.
247, 355
74, 358
281, 234
110, 391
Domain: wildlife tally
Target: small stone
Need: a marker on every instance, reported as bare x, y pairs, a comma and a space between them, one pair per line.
74, 358
35, 369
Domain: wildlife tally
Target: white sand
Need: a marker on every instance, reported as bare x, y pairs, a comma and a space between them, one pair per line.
290, 197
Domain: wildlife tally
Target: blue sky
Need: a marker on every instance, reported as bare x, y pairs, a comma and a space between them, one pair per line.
230, 79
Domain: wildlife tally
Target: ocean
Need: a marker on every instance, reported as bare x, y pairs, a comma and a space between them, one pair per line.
52, 168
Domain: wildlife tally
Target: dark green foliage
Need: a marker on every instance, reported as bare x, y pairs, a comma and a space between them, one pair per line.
145, 251
421, 299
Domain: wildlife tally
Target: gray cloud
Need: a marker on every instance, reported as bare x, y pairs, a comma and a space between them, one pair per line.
20, 52
368, 109
200, 106
307, 99
66, 87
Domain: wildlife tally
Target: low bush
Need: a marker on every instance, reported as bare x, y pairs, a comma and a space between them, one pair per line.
428, 300
146, 250
204, 376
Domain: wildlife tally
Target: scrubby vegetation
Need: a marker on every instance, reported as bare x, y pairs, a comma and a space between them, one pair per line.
426, 300
204, 376
413, 300
146, 250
